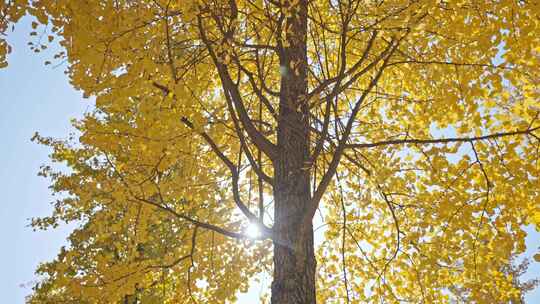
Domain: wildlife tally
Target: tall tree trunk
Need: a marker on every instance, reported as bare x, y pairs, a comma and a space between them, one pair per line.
294, 258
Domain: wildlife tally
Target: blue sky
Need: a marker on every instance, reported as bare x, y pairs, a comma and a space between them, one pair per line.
35, 97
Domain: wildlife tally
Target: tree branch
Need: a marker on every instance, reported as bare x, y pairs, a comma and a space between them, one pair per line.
232, 90
443, 140
327, 177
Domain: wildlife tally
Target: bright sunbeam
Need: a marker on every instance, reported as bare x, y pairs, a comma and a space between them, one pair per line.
252, 230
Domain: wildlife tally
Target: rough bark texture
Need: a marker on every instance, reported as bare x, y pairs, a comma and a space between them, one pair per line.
294, 258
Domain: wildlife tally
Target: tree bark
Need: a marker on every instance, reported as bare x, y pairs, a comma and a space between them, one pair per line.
294, 258
294, 261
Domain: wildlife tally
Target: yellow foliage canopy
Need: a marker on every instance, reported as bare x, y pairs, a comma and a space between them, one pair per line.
424, 146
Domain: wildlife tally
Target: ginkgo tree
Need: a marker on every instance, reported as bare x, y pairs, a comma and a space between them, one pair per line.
404, 135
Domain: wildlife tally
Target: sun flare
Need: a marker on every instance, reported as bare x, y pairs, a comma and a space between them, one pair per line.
253, 231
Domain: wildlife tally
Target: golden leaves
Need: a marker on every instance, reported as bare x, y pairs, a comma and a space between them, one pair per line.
427, 222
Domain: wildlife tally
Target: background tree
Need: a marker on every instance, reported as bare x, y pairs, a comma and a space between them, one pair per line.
410, 127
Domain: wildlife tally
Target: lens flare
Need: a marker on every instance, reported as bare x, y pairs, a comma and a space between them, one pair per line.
253, 231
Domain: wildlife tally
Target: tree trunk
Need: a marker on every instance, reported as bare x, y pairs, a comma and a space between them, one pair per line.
294, 258
294, 261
